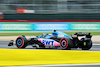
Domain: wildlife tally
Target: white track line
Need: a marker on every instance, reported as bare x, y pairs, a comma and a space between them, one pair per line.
56, 65
96, 44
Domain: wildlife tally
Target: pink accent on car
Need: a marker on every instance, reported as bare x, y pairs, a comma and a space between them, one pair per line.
55, 43
39, 40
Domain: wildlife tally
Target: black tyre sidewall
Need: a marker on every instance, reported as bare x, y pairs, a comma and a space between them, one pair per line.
88, 45
24, 42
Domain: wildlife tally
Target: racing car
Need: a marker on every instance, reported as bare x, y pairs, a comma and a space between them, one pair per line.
56, 39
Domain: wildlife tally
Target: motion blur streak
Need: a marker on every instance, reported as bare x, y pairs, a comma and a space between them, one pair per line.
15, 57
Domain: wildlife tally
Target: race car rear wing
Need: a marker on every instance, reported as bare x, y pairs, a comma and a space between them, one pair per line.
88, 35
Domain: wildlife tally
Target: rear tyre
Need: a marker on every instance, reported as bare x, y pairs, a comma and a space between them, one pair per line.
64, 44
87, 45
21, 42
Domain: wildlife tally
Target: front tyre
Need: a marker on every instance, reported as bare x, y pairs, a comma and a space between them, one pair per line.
21, 42
87, 45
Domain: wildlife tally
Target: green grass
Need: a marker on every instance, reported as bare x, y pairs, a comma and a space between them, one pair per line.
36, 34
19, 34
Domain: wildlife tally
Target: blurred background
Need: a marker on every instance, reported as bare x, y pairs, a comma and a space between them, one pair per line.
35, 17
50, 10
75, 14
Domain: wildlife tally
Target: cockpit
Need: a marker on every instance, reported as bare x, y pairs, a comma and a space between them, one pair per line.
44, 35
54, 34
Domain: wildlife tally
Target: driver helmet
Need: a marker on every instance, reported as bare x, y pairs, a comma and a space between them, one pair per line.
54, 30
44, 34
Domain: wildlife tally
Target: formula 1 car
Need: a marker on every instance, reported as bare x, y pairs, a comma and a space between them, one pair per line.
56, 39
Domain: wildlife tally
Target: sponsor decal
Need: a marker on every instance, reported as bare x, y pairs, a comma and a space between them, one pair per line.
74, 35
46, 42
16, 27
51, 26
85, 26
61, 35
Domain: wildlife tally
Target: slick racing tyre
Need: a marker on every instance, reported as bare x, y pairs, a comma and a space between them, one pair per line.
87, 45
21, 42
64, 44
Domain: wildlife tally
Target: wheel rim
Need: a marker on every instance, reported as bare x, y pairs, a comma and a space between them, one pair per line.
19, 42
63, 43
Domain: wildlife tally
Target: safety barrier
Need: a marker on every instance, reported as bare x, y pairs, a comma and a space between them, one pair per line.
49, 25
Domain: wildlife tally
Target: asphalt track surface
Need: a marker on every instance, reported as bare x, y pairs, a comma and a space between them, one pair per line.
4, 44
95, 47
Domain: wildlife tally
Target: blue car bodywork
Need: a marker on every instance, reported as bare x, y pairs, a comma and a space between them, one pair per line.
54, 34
56, 39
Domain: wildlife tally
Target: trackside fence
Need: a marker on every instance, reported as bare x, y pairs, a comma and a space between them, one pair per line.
49, 25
